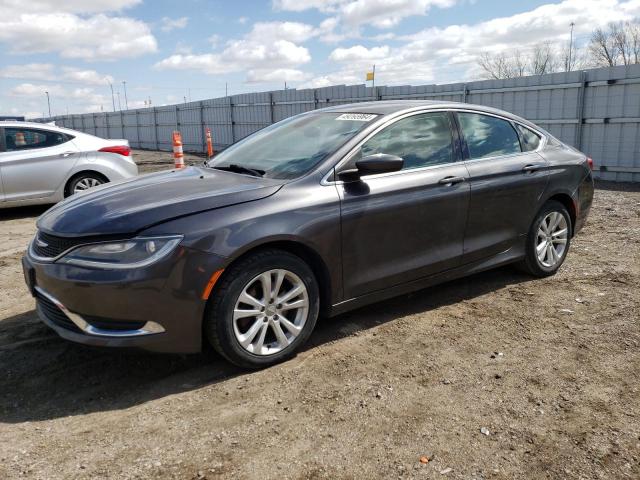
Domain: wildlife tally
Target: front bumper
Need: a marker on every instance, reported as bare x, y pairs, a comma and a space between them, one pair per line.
157, 308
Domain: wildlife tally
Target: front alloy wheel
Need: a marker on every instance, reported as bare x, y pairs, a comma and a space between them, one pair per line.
262, 309
270, 312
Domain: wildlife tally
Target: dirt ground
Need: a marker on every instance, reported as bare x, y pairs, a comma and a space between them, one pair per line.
548, 367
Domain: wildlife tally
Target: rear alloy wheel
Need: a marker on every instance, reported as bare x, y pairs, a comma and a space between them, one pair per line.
84, 182
548, 240
262, 309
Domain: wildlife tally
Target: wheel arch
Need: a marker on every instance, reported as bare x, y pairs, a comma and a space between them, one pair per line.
567, 201
78, 173
308, 254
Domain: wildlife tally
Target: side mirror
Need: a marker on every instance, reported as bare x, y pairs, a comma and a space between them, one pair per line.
373, 164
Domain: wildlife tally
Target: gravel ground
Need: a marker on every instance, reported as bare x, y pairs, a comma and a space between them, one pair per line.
547, 369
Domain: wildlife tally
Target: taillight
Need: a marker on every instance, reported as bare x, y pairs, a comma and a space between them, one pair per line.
123, 150
590, 162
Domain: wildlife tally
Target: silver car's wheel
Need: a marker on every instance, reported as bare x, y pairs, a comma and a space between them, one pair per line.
270, 312
552, 239
86, 183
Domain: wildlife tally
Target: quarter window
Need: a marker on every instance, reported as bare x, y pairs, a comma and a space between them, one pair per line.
488, 136
529, 139
17, 139
420, 140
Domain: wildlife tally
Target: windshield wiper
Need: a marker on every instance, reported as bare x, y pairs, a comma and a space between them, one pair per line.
233, 167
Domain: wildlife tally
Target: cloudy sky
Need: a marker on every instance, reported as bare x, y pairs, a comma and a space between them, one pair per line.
167, 50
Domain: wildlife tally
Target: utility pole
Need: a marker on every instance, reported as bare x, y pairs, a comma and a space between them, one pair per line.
226, 89
126, 101
119, 104
570, 46
113, 99
373, 85
48, 104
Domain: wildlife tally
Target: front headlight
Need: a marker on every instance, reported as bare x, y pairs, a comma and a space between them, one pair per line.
133, 253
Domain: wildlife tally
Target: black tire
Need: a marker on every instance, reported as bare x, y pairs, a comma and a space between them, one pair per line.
531, 263
218, 321
83, 177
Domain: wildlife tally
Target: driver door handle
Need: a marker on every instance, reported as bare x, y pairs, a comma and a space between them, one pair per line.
531, 168
450, 180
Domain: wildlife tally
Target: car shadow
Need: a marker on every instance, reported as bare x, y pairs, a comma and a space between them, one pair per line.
16, 213
45, 377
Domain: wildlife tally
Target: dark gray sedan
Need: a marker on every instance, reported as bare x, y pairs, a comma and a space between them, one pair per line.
317, 214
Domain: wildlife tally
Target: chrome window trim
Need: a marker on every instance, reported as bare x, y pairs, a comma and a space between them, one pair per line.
325, 179
543, 137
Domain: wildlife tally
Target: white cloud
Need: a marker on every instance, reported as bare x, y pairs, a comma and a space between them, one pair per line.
29, 71
277, 75
269, 45
386, 13
68, 6
32, 90
96, 37
546, 23
169, 24
359, 53
378, 13
451, 53
87, 77
50, 72
243, 20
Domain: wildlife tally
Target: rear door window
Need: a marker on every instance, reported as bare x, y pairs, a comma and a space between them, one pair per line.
17, 139
488, 136
529, 139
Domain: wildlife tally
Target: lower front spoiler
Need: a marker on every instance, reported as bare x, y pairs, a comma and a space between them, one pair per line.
88, 334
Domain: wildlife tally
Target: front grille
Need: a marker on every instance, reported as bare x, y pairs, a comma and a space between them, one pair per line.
53, 313
53, 246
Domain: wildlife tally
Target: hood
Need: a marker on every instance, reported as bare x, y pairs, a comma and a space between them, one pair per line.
132, 205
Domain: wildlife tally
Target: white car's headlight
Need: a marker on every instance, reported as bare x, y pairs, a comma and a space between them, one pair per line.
133, 253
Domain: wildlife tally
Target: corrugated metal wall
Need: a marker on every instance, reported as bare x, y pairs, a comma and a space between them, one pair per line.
598, 111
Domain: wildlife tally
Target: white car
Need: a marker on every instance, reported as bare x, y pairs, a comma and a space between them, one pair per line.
41, 163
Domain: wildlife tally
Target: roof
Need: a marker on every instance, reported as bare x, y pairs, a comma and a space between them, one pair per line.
387, 107
40, 125
384, 107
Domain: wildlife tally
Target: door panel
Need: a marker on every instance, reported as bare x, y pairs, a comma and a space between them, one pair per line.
31, 172
506, 182
505, 196
400, 227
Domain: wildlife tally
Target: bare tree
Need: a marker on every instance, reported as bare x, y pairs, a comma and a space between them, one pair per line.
541, 59
617, 44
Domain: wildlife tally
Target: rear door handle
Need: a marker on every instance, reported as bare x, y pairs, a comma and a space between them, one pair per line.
66, 154
450, 180
531, 168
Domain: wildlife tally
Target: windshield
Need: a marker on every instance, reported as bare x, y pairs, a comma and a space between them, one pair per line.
292, 147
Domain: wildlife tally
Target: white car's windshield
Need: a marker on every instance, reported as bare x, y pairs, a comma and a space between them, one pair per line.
292, 147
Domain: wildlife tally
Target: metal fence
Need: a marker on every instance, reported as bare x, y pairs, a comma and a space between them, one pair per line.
597, 111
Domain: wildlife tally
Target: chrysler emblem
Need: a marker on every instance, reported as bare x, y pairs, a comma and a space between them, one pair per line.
41, 244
